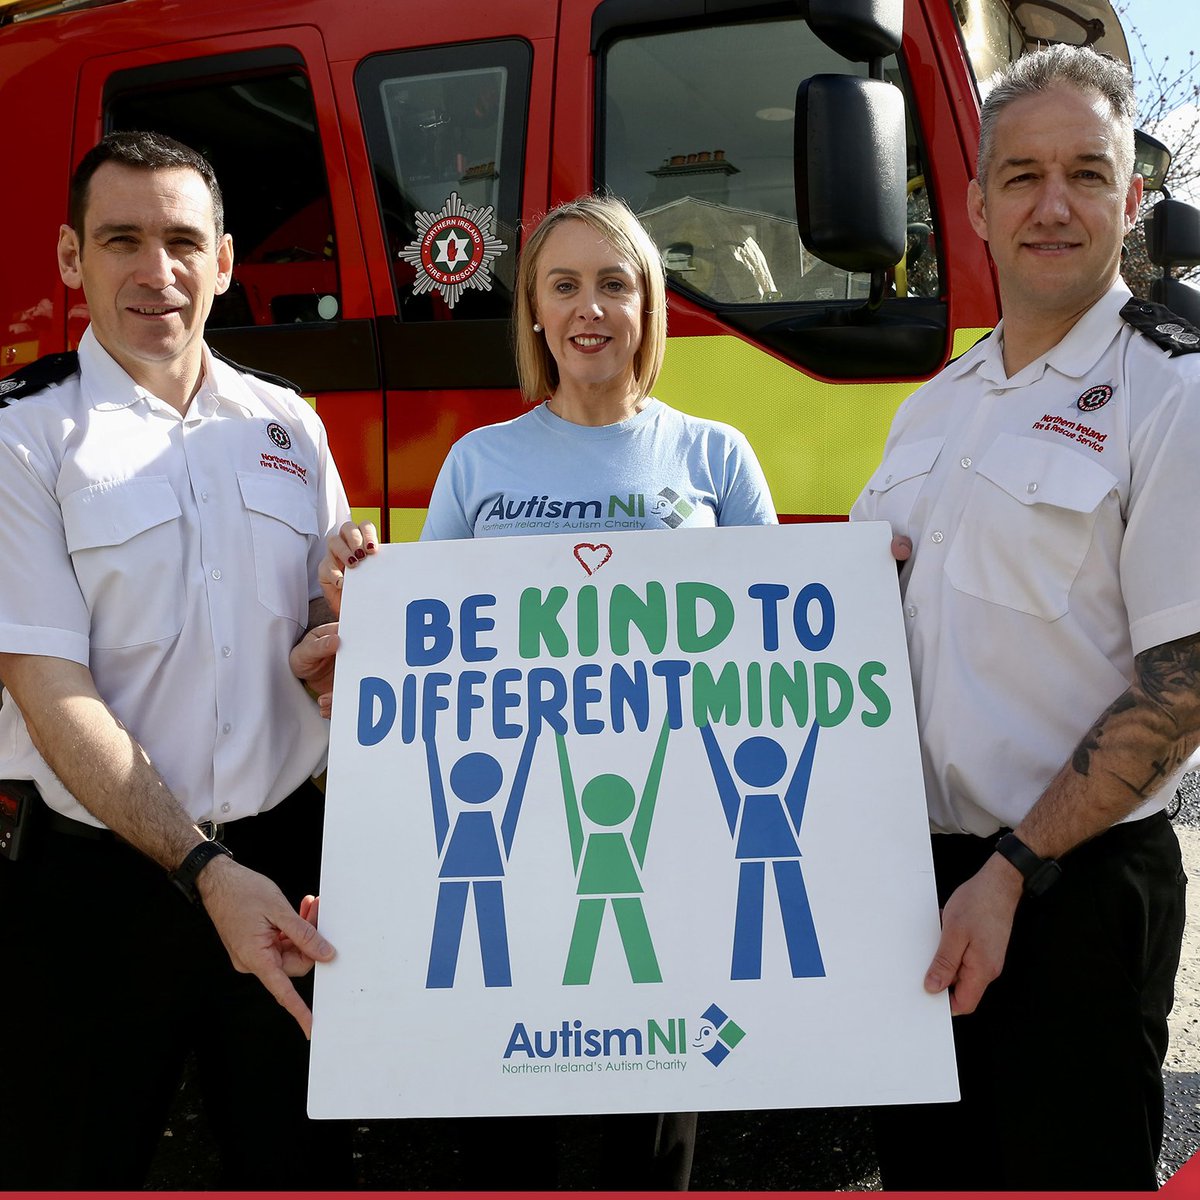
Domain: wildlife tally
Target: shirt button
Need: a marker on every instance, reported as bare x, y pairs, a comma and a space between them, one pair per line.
226, 807
226, 728
216, 574
226, 651
911, 610
936, 536
1031, 488
964, 463
204, 497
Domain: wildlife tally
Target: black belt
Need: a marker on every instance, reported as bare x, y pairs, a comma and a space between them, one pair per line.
60, 824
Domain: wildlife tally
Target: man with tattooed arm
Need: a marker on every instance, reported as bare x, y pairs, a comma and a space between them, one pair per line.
1038, 489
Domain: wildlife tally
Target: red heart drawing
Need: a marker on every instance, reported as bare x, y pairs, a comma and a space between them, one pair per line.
592, 558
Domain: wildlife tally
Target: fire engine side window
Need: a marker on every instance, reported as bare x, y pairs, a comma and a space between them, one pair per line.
445, 129
260, 134
702, 151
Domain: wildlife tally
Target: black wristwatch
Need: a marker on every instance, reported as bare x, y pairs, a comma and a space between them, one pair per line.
184, 875
1039, 873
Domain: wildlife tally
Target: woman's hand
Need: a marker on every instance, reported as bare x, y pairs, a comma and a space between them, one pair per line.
344, 549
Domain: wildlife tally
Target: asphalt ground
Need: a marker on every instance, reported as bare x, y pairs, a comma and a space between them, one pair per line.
1181, 1071
782, 1150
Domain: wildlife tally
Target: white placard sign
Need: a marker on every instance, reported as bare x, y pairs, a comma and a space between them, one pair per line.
626, 826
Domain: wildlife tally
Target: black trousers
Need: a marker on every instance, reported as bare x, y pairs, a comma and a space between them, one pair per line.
638, 1152
1060, 1066
110, 978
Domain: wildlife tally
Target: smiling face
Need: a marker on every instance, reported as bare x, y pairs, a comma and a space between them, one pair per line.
150, 262
589, 302
1055, 210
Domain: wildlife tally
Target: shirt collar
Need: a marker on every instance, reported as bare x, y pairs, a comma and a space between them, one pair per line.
223, 385
109, 388
1075, 356
103, 381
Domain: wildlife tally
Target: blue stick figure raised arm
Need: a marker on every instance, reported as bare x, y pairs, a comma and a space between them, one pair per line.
512, 810
437, 792
727, 790
797, 791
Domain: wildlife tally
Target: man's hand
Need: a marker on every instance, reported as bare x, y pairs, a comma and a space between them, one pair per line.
261, 933
312, 662
344, 550
976, 925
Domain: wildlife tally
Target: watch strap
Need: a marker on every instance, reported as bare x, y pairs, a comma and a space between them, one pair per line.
1038, 873
184, 876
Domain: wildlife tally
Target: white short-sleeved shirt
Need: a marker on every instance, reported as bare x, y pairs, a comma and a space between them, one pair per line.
1051, 517
175, 556
660, 469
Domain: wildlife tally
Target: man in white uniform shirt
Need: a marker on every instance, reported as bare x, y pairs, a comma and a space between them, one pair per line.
165, 513
1052, 606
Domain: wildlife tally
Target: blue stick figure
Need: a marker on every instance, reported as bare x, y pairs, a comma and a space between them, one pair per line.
472, 860
766, 828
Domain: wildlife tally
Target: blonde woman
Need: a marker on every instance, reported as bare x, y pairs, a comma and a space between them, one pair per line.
597, 452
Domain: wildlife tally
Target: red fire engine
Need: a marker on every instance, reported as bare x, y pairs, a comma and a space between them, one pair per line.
381, 161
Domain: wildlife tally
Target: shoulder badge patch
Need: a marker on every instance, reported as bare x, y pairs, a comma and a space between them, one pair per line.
1162, 326
266, 376
38, 376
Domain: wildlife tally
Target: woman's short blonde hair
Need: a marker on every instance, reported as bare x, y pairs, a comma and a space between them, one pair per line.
616, 223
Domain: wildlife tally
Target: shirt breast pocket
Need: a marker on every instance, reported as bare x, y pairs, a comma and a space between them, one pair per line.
126, 546
898, 481
1027, 525
283, 524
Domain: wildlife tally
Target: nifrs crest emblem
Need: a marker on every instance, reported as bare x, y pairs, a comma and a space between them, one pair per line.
1094, 398
279, 436
454, 250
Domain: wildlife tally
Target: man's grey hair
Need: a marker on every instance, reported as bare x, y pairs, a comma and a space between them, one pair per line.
1058, 66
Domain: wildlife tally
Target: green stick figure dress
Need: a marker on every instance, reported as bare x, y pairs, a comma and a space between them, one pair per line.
605, 866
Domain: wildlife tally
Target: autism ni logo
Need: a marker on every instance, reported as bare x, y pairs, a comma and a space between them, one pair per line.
647, 1046
718, 1035
671, 508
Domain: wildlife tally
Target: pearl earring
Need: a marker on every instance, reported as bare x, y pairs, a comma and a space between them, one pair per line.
536, 327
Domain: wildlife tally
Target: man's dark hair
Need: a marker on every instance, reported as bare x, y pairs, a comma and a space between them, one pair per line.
143, 151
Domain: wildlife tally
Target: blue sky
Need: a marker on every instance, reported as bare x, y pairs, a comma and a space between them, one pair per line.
1169, 27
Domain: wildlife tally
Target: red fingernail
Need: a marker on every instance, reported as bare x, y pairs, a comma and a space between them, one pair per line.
370, 545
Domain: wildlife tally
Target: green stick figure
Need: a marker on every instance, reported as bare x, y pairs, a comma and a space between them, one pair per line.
605, 867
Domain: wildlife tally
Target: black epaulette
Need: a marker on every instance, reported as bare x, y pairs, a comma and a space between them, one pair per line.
1174, 334
38, 376
277, 380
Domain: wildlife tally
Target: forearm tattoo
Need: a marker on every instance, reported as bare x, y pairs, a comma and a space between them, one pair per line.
1162, 712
